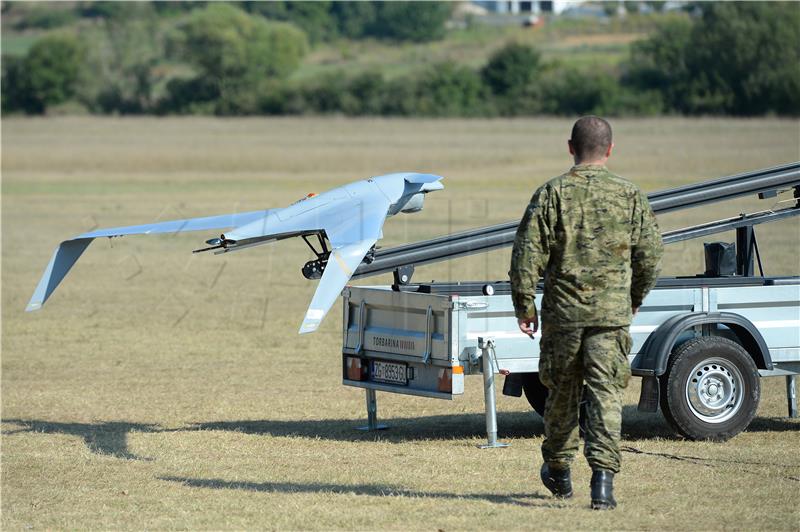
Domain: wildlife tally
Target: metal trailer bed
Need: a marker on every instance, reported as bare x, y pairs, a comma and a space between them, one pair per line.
424, 339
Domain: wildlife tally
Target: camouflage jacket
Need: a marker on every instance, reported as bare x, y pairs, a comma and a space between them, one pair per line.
594, 239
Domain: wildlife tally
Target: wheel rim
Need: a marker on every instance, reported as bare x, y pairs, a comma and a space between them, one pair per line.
714, 390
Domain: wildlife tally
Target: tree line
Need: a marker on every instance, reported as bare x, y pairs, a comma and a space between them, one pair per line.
737, 58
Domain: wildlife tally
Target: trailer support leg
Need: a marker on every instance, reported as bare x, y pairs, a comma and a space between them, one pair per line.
791, 394
487, 347
372, 413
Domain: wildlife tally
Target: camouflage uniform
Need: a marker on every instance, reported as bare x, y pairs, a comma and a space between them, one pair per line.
594, 239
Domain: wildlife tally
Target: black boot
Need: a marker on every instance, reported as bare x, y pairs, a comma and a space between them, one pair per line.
557, 481
603, 490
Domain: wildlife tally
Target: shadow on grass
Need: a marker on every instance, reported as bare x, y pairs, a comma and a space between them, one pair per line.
374, 490
773, 424
107, 438
652, 425
645, 425
442, 427
111, 437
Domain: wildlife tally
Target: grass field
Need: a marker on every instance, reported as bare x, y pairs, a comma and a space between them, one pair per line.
159, 389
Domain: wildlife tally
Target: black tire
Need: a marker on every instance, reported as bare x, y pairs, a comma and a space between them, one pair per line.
711, 389
535, 392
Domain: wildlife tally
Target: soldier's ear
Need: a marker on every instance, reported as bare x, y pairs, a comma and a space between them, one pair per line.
608, 151
571, 147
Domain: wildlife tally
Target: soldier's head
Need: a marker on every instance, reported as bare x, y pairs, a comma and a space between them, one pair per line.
591, 140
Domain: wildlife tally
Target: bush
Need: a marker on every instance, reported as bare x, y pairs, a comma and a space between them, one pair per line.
570, 91
314, 18
368, 91
410, 21
399, 97
511, 68
354, 19
189, 96
48, 74
327, 94
450, 90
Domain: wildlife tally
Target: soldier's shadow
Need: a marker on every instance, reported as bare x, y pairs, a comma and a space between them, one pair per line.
526, 498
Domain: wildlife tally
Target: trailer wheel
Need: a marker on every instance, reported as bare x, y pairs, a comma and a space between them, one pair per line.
535, 392
711, 389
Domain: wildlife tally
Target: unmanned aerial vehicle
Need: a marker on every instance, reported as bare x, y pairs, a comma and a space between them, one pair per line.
346, 222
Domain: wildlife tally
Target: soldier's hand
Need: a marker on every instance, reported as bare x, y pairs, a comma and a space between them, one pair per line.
528, 325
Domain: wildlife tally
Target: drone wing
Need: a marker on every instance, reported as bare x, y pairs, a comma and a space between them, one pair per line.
69, 251
351, 239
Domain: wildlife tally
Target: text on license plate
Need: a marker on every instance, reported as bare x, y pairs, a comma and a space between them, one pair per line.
389, 372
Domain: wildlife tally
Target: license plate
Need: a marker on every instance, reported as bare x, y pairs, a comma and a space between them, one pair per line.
390, 372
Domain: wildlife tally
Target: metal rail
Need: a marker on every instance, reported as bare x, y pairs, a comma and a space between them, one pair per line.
765, 182
729, 224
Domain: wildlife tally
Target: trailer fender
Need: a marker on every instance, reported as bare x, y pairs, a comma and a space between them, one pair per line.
654, 355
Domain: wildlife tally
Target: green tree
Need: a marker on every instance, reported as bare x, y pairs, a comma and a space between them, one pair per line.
128, 47
314, 18
225, 42
354, 19
738, 58
48, 74
744, 56
411, 21
238, 53
659, 63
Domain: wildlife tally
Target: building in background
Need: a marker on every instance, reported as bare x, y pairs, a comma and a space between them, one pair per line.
535, 7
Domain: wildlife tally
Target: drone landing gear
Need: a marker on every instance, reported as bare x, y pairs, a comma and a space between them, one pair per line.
313, 269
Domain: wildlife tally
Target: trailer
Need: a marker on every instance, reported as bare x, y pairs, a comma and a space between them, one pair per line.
700, 344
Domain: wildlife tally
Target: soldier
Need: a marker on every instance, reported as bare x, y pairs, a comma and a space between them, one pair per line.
593, 237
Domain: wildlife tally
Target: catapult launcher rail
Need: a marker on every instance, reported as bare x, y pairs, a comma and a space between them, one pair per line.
766, 183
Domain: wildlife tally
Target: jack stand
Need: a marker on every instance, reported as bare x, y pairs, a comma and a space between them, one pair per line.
486, 346
791, 395
372, 413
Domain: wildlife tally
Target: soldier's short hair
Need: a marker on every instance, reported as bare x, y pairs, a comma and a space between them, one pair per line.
591, 137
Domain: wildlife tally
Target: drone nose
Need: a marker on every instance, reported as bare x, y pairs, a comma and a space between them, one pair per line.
430, 187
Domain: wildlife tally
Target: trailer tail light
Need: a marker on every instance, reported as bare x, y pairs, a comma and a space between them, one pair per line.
355, 369
446, 378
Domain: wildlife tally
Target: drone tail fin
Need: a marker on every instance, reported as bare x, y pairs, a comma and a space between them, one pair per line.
67, 253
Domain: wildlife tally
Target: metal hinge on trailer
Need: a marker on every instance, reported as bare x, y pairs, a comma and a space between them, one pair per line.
362, 314
426, 356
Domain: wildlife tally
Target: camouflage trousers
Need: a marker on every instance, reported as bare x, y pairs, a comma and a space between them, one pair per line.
570, 357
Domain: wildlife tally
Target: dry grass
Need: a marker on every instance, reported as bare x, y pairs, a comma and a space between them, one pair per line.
164, 390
